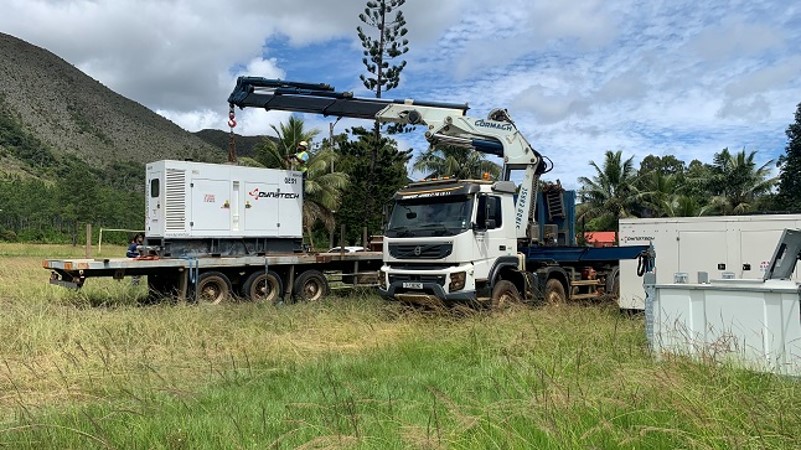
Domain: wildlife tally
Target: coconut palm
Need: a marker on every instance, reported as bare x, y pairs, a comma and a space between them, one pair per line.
448, 161
657, 190
737, 183
612, 193
275, 151
323, 187
681, 205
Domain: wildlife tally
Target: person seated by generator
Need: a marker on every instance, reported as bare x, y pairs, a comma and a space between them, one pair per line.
134, 252
133, 247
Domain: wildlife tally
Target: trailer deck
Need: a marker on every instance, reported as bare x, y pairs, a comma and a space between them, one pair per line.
182, 272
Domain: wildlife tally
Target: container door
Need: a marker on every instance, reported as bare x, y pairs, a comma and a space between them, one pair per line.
702, 251
211, 207
261, 209
154, 220
756, 249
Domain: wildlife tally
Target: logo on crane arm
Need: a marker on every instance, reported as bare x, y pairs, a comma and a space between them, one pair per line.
522, 203
496, 125
257, 194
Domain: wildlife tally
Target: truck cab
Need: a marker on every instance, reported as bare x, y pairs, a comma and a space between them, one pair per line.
449, 240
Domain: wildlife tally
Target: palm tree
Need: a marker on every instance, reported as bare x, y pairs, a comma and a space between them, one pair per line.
323, 186
737, 183
657, 190
457, 162
611, 194
275, 152
681, 205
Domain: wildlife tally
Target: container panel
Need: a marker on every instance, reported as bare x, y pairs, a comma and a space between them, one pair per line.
698, 251
261, 210
757, 323
211, 206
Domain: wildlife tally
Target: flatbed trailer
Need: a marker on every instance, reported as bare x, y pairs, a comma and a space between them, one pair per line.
301, 276
582, 273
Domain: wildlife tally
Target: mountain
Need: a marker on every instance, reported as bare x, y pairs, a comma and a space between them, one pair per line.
51, 112
220, 139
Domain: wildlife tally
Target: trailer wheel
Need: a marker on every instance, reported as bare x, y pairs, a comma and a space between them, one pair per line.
263, 287
311, 286
213, 288
504, 295
555, 292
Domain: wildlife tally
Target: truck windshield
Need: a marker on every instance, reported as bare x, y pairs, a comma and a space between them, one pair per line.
439, 216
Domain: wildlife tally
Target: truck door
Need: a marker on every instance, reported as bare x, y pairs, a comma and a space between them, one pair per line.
490, 239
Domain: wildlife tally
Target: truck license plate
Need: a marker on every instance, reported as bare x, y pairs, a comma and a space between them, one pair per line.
412, 285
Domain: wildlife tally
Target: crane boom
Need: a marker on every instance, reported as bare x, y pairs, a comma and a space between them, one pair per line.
447, 124
272, 94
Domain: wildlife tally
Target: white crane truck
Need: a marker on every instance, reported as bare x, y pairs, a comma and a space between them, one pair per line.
466, 240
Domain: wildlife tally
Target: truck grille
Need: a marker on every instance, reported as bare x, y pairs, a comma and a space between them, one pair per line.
175, 200
439, 279
420, 251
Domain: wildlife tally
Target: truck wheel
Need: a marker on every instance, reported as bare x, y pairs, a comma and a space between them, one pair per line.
555, 292
263, 287
213, 288
504, 295
311, 286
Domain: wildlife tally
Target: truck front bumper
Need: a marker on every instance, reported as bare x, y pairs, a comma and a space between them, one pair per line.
432, 294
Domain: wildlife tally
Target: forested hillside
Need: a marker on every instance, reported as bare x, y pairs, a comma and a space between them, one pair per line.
73, 151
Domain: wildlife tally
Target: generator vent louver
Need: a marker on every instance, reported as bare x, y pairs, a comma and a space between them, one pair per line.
175, 200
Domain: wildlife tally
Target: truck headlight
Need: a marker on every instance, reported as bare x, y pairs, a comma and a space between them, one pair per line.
457, 281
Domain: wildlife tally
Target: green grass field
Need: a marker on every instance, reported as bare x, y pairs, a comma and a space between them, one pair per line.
94, 370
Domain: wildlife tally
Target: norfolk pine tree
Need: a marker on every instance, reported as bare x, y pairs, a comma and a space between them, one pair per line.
383, 73
789, 197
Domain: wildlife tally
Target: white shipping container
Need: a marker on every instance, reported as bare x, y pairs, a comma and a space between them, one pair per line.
741, 245
198, 200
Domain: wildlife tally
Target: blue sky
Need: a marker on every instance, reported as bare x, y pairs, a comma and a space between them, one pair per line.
686, 78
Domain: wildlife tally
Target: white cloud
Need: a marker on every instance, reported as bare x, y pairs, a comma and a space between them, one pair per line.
582, 77
736, 38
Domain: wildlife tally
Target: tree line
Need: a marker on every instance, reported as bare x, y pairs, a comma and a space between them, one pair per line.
665, 186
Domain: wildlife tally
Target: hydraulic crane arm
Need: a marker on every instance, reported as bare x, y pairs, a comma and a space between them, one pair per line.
446, 124
321, 99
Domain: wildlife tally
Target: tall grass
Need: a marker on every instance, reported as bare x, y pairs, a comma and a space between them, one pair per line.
358, 373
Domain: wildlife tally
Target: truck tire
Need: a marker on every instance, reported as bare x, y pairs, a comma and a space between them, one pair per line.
310, 286
213, 288
263, 287
555, 292
504, 295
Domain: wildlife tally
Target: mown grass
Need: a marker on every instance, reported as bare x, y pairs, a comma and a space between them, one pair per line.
357, 373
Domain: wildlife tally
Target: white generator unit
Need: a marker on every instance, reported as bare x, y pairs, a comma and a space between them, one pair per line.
194, 201
754, 322
723, 246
